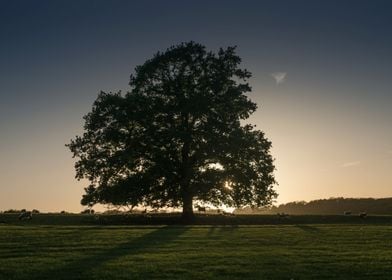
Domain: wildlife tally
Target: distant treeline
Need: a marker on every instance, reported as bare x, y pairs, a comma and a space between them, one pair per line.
332, 206
17, 211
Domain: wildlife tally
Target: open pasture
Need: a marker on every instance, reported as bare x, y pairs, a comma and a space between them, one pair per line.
200, 219
296, 251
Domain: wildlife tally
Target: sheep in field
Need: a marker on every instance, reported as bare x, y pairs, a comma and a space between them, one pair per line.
363, 215
25, 215
228, 213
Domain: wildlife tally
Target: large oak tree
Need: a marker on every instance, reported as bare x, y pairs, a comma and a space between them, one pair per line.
177, 136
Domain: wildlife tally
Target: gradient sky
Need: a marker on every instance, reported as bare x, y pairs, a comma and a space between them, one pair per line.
321, 77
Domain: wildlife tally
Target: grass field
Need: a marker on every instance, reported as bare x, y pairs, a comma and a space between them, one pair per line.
296, 251
201, 219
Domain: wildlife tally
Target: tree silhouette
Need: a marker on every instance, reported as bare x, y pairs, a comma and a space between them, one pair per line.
177, 136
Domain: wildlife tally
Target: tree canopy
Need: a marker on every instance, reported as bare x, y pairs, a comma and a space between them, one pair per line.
177, 136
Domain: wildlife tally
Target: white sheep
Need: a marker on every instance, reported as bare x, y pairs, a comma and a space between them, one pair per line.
25, 215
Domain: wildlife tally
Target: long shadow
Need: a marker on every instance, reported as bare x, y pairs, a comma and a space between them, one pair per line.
214, 229
211, 230
79, 267
228, 228
307, 228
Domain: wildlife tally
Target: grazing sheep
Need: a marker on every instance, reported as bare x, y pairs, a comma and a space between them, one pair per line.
201, 209
25, 215
227, 213
363, 215
347, 213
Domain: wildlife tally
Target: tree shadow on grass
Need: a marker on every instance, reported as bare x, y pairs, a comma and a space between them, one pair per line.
218, 230
228, 228
307, 228
211, 230
80, 268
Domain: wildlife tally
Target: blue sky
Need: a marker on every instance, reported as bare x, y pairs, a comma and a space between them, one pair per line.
329, 118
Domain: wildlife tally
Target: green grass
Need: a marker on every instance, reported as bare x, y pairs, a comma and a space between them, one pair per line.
303, 251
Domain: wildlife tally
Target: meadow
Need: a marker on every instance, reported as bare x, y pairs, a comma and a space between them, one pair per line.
303, 247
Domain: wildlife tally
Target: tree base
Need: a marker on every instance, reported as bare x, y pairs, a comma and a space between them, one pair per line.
188, 217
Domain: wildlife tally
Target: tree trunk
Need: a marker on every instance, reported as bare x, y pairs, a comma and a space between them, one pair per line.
187, 197
187, 208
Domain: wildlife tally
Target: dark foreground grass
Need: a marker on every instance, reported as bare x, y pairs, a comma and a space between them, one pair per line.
196, 252
200, 219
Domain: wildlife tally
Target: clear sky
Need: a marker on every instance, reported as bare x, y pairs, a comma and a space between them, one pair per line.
321, 77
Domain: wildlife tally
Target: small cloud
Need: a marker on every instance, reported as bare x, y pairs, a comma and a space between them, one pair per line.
351, 163
280, 77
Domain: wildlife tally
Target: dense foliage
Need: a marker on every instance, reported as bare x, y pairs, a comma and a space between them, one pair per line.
177, 136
